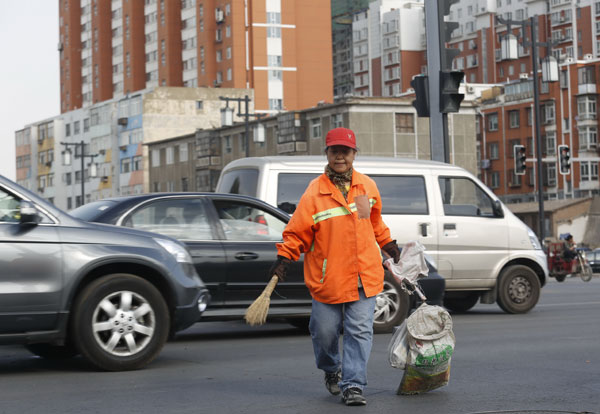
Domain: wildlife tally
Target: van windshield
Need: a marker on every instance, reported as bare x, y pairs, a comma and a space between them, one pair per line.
243, 181
290, 187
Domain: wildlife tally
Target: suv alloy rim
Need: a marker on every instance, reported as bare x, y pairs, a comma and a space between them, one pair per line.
123, 323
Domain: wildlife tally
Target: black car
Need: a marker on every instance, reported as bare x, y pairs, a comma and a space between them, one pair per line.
232, 242
70, 287
593, 258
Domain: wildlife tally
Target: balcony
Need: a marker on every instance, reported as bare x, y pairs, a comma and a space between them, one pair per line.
586, 88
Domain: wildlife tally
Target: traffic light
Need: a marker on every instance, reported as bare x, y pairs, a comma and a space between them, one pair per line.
520, 156
450, 99
564, 160
450, 80
420, 84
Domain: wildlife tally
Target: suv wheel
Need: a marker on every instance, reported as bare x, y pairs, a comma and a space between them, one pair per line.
518, 289
391, 305
120, 322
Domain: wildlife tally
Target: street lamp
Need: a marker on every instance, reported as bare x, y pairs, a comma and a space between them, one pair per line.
227, 116
509, 50
67, 161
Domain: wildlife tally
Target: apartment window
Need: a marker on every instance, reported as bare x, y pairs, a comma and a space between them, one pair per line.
275, 104
229, 74
588, 138
586, 75
513, 118
273, 18
564, 80
274, 60
336, 121
170, 155
155, 158
125, 165
494, 151
228, 31
228, 53
68, 130
274, 32
588, 170
586, 107
183, 152
550, 142
495, 179
136, 165
228, 144
405, 123
493, 122
188, 23
315, 128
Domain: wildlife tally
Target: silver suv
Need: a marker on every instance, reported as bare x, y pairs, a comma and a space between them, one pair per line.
69, 287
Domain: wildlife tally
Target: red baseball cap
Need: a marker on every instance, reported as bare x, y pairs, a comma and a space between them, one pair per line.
341, 136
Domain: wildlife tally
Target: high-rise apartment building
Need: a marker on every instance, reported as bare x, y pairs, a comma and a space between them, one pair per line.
279, 48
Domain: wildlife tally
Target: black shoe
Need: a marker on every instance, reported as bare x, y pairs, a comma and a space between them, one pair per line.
331, 382
353, 396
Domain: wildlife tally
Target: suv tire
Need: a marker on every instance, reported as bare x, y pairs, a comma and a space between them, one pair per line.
518, 289
120, 322
391, 305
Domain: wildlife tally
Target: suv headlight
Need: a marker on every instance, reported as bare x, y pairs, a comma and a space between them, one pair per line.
178, 251
534, 240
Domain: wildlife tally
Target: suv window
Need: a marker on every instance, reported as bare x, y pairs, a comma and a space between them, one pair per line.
290, 187
462, 197
242, 181
9, 208
402, 194
242, 221
182, 219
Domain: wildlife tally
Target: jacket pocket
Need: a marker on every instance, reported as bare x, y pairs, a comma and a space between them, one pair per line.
323, 270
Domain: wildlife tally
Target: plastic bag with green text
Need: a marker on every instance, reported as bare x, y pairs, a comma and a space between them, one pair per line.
430, 346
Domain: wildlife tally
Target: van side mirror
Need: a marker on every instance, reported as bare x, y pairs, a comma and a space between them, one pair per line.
497, 207
29, 214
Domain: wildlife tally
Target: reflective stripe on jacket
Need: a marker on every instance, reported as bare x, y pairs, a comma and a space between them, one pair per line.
338, 246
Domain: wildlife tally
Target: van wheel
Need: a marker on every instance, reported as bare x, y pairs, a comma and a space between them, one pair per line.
462, 303
391, 305
120, 322
518, 289
53, 352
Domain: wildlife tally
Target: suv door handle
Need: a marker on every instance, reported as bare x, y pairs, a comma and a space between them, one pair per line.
246, 256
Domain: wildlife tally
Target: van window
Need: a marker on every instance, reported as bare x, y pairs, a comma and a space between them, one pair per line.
402, 194
290, 188
242, 181
462, 197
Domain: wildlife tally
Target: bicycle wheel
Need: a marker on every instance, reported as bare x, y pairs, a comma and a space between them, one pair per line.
586, 272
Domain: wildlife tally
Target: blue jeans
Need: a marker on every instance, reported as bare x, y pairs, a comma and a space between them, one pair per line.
356, 318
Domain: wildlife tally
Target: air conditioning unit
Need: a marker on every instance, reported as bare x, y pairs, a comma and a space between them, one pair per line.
569, 60
470, 89
123, 147
102, 152
122, 121
588, 56
523, 75
40, 189
486, 164
104, 179
48, 163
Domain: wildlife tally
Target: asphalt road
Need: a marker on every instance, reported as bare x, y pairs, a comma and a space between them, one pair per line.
545, 361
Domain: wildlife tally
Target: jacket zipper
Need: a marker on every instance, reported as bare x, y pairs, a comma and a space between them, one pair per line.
323, 271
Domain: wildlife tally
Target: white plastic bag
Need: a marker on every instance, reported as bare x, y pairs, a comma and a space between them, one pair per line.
398, 347
410, 267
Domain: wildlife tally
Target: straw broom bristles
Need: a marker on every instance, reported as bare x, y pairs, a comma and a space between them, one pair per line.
256, 314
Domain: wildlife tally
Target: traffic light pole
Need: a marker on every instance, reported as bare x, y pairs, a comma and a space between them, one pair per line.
438, 121
538, 130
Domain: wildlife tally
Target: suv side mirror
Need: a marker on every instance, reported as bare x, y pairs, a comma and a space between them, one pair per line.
497, 207
29, 214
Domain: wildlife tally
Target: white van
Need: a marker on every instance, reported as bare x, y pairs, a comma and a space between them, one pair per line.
481, 249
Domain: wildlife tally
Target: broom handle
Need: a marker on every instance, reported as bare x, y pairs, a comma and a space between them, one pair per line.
271, 285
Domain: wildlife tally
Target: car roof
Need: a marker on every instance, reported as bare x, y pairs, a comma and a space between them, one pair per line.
287, 161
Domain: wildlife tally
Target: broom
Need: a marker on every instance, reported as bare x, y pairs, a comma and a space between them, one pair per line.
256, 314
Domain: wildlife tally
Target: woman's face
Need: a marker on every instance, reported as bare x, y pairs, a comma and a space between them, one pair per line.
340, 158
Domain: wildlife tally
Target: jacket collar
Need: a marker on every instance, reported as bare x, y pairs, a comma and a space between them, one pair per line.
327, 187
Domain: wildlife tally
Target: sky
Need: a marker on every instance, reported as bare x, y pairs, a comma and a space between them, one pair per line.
29, 73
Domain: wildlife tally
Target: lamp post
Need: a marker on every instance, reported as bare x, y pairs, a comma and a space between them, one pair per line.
67, 161
509, 50
227, 116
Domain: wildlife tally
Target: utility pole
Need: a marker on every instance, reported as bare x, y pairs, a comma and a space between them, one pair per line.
67, 161
229, 118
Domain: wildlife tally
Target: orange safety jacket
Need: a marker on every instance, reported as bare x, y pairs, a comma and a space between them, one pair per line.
338, 246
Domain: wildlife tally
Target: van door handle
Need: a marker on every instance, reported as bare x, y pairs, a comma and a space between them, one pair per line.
423, 229
246, 256
449, 226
